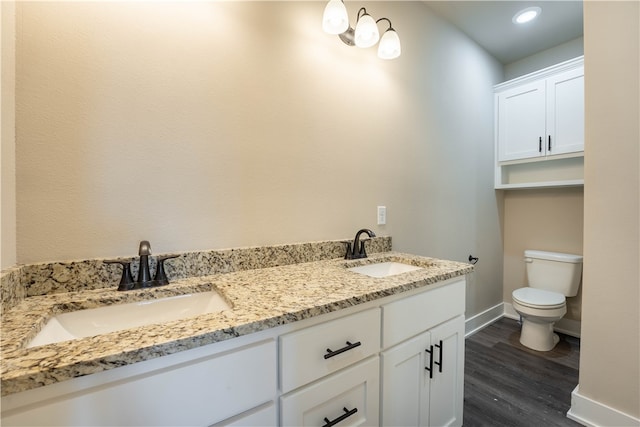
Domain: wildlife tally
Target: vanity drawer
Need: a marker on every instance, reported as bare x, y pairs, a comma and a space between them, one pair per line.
304, 354
350, 397
410, 316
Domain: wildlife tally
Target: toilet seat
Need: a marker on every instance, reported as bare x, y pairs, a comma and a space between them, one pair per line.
538, 298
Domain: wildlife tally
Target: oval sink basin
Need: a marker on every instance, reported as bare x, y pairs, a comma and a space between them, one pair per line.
102, 320
384, 269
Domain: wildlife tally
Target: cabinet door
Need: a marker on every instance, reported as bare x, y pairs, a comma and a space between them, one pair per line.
405, 383
448, 376
521, 122
565, 112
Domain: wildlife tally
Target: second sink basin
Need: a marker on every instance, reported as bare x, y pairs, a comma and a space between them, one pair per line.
102, 320
384, 269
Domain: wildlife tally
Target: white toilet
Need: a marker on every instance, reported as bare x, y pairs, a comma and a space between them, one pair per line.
551, 276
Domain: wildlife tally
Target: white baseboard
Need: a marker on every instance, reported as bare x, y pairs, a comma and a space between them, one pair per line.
482, 320
564, 326
590, 413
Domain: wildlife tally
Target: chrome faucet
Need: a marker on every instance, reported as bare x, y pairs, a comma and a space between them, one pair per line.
357, 250
144, 275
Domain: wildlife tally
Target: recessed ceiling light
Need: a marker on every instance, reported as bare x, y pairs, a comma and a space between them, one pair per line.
526, 15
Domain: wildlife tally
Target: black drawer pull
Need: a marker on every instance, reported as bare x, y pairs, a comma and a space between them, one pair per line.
439, 363
430, 367
540, 145
549, 142
348, 347
347, 414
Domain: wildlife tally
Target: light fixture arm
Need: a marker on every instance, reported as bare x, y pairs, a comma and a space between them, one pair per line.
363, 34
386, 19
358, 15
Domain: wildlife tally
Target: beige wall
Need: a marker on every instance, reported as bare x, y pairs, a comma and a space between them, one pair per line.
201, 125
549, 220
8, 136
610, 355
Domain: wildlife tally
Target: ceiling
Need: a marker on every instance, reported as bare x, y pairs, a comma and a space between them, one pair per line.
489, 24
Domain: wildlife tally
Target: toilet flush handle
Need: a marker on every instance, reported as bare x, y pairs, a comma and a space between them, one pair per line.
529, 260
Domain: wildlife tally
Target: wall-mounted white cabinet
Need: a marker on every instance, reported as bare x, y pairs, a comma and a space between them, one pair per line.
539, 128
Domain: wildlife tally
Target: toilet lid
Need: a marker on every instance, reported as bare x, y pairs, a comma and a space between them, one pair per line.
538, 298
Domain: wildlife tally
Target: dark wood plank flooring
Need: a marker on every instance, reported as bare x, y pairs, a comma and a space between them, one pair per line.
508, 384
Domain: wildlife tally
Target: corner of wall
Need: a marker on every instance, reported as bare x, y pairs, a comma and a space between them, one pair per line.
8, 136
563, 52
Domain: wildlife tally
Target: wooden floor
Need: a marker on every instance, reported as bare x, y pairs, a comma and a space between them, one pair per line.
507, 384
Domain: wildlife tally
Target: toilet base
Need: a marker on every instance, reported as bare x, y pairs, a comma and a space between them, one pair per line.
538, 336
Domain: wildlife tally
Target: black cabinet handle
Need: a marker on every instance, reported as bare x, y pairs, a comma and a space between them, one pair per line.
348, 347
347, 414
430, 367
540, 145
549, 148
439, 362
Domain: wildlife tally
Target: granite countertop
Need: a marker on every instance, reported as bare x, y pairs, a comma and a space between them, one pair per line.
260, 299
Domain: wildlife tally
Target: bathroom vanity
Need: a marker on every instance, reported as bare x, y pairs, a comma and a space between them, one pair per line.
311, 343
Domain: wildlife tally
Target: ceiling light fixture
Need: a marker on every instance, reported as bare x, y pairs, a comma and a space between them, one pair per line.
366, 34
526, 15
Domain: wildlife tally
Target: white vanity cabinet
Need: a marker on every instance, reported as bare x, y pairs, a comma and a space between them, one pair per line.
237, 384
363, 365
423, 374
540, 118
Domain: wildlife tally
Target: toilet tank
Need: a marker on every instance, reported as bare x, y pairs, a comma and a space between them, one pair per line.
554, 271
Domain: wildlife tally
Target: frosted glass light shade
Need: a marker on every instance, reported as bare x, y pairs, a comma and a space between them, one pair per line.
389, 47
366, 32
335, 19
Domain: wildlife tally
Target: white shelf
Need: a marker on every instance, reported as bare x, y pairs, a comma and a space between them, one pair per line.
559, 172
534, 185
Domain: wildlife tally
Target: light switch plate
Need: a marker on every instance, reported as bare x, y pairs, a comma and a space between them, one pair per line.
382, 215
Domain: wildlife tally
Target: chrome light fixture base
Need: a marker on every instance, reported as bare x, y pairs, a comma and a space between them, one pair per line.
365, 33
348, 37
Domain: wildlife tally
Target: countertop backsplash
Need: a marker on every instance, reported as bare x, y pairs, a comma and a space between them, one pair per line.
48, 278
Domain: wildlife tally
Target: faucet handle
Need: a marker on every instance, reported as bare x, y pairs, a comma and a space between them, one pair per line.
362, 253
161, 277
349, 254
126, 281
